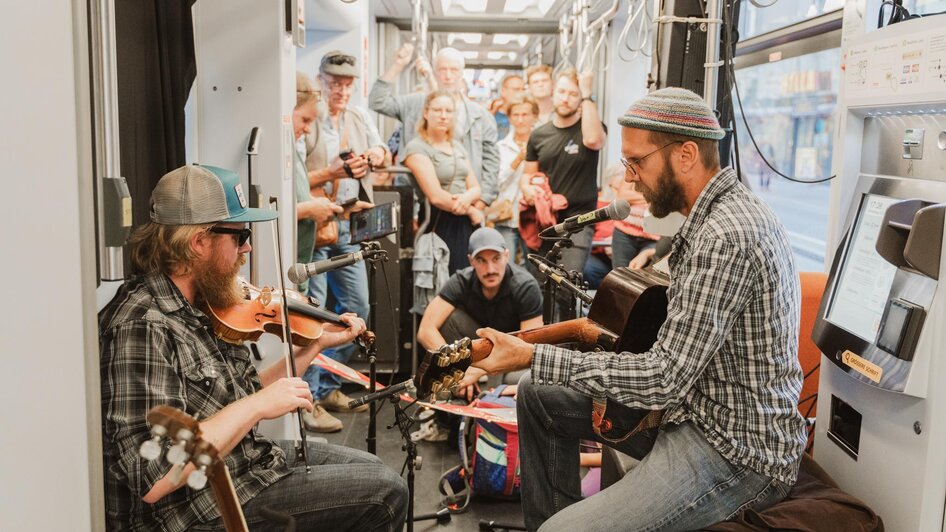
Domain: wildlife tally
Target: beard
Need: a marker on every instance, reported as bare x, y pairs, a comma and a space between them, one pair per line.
667, 197
564, 111
216, 285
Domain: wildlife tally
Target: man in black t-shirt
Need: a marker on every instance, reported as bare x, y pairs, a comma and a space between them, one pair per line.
492, 292
566, 150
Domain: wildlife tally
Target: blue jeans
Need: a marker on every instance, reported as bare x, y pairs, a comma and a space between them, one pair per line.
625, 247
513, 243
682, 483
349, 285
347, 489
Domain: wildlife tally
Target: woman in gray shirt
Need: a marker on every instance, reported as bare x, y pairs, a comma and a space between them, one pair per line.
442, 172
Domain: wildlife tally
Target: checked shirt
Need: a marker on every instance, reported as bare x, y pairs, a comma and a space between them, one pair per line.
159, 350
726, 357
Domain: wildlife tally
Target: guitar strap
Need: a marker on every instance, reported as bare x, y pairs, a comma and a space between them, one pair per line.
601, 424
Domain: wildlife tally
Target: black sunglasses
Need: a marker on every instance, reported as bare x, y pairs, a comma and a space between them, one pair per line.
242, 234
342, 59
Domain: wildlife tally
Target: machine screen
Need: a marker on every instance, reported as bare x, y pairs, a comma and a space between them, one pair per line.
864, 283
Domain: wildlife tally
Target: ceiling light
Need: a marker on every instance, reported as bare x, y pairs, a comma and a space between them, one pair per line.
468, 38
471, 54
506, 38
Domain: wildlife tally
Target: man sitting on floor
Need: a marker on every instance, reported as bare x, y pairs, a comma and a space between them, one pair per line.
492, 292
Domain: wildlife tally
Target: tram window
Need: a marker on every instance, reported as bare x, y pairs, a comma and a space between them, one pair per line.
920, 7
790, 108
756, 20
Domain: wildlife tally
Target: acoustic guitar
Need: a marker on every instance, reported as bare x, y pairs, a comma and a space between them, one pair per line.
625, 315
188, 447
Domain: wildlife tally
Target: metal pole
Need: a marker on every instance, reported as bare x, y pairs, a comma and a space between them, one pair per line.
105, 105
714, 12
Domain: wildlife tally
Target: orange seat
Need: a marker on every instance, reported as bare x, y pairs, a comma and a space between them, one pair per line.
812, 289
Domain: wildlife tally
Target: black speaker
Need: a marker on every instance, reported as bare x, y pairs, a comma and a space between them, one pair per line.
393, 289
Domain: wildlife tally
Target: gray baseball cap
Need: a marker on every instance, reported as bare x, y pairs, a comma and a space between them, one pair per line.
338, 63
202, 194
486, 238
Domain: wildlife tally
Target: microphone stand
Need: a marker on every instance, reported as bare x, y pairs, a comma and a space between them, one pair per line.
370, 350
552, 257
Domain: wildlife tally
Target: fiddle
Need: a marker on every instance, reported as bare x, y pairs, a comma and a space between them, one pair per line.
261, 312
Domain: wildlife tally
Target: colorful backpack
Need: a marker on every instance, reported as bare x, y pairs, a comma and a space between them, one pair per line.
489, 457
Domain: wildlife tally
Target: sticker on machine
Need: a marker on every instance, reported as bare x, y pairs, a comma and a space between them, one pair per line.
863, 366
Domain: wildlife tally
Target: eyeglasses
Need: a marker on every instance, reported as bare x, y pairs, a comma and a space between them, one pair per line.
242, 234
337, 86
630, 164
341, 59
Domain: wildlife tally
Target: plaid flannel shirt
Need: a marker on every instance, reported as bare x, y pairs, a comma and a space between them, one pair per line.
726, 357
159, 350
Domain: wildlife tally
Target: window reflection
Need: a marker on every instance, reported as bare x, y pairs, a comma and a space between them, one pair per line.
756, 20
790, 107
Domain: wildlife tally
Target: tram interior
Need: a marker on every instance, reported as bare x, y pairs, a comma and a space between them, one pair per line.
834, 115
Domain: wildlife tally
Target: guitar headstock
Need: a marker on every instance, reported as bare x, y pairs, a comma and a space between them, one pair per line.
183, 431
441, 370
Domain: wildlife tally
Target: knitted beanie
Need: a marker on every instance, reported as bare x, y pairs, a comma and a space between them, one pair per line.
674, 110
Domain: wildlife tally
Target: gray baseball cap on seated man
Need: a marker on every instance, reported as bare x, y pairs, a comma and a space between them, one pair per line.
202, 194
338, 63
486, 238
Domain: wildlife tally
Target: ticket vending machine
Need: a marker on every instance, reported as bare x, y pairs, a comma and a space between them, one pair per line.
881, 429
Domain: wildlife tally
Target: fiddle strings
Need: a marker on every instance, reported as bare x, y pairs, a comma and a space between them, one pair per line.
301, 446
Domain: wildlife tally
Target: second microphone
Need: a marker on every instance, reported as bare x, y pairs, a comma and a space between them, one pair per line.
299, 273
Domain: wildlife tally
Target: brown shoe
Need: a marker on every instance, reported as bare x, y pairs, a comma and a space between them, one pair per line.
338, 402
320, 421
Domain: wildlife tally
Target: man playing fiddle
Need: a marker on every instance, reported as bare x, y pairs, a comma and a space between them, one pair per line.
159, 348
724, 368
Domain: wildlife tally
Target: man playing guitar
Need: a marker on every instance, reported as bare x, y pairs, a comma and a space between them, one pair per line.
723, 369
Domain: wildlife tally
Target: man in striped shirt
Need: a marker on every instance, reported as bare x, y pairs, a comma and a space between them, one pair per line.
723, 370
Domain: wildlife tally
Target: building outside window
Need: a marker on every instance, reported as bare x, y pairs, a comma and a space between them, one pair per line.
789, 93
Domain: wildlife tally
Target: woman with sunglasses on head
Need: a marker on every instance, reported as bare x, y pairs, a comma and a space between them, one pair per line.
442, 172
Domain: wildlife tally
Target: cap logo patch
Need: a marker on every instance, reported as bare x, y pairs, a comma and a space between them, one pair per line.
239, 192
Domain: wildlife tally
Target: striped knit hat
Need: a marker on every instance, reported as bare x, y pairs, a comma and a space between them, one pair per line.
674, 110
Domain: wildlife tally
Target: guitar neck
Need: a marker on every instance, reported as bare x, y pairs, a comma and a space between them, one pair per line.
578, 330
230, 510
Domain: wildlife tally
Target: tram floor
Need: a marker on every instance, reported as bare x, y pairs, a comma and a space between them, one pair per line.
437, 458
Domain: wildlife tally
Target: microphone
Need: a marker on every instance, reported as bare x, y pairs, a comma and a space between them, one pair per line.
394, 389
617, 210
299, 273
556, 276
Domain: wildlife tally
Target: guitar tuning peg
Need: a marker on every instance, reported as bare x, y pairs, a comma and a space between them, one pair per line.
151, 449
178, 454
434, 388
457, 375
443, 360
198, 478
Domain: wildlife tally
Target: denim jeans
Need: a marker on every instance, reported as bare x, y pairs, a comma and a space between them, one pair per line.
347, 489
513, 243
625, 247
349, 285
682, 483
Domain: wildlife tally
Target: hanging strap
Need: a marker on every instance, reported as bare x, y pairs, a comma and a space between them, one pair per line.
601, 424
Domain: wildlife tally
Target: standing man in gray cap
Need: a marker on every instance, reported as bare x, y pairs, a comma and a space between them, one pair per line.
340, 127
724, 369
158, 347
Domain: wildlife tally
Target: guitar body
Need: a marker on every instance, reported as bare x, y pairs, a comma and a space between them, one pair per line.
626, 315
633, 305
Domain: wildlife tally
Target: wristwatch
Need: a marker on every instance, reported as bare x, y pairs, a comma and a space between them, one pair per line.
589, 98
